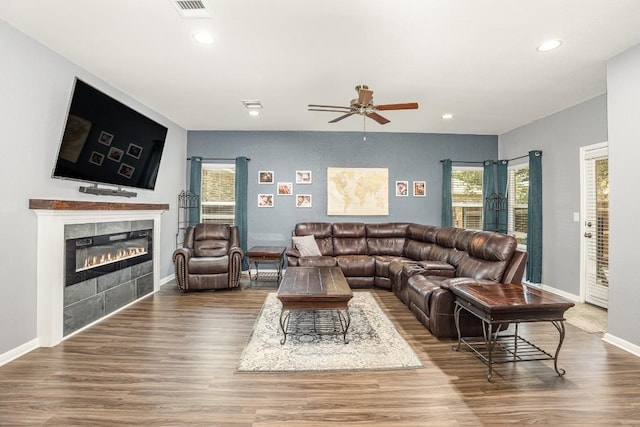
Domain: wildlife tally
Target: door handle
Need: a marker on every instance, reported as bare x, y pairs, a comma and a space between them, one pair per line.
587, 235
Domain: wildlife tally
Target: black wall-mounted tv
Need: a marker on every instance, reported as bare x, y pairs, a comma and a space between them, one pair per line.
107, 142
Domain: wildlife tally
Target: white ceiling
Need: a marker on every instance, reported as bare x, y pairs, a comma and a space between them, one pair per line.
473, 58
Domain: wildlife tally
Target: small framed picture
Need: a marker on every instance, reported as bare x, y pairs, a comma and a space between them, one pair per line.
303, 200
303, 177
402, 188
126, 170
419, 189
134, 151
265, 177
265, 200
105, 138
96, 158
285, 189
115, 154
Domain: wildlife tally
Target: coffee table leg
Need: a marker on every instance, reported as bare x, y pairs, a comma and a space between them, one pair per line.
559, 324
284, 324
345, 322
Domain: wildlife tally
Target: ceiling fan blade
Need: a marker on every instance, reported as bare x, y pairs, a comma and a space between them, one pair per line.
327, 109
364, 96
405, 106
328, 106
341, 117
378, 118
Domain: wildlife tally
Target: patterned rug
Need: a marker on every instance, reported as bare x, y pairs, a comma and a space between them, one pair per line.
317, 345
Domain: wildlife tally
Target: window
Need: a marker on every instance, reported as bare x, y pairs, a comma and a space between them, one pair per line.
466, 197
218, 193
518, 202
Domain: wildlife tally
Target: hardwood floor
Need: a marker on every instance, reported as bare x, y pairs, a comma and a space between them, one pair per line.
170, 360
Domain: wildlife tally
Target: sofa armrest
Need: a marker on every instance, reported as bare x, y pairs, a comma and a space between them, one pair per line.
235, 266
181, 266
437, 268
456, 281
293, 255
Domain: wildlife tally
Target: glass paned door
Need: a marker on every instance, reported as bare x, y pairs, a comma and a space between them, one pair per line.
596, 226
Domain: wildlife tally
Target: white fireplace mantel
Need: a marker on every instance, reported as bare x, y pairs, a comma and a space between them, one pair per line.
53, 215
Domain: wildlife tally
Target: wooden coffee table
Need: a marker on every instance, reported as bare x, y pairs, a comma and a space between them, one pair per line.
500, 304
314, 288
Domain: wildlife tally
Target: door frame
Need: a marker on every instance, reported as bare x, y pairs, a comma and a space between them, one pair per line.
583, 204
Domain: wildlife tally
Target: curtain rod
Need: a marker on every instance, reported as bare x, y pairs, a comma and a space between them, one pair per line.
494, 162
216, 158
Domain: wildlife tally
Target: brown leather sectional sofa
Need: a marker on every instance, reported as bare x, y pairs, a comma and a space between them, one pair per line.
419, 263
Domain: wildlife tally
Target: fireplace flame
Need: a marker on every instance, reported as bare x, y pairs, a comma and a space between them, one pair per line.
109, 257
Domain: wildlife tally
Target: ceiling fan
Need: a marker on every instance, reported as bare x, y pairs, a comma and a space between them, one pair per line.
363, 105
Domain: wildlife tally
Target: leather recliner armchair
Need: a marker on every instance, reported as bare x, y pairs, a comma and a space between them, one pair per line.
210, 258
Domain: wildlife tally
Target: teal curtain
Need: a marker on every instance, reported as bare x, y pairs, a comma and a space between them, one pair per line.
447, 207
242, 181
195, 186
534, 225
502, 177
489, 219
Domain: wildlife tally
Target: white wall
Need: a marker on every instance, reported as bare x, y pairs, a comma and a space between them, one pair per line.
35, 88
623, 96
560, 137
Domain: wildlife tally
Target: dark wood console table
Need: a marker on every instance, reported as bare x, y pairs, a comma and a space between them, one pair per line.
500, 304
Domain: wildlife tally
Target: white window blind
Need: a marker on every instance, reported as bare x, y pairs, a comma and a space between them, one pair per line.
518, 195
218, 193
466, 197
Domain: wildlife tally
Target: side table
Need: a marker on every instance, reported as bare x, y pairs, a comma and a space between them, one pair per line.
500, 304
266, 254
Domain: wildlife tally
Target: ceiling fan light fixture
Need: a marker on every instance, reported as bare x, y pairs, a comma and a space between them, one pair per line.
549, 45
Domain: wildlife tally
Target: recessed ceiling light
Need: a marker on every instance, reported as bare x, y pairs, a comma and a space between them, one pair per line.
203, 37
447, 116
549, 45
254, 112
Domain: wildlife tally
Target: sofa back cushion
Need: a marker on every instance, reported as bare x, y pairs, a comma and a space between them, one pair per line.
488, 255
211, 240
321, 231
417, 250
422, 233
386, 239
492, 246
480, 269
349, 238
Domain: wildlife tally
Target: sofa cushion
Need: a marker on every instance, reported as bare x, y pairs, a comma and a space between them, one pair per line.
357, 265
306, 245
349, 238
386, 239
211, 240
492, 246
321, 231
480, 269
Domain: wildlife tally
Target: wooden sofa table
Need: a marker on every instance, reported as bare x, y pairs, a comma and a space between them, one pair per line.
500, 304
266, 254
314, 288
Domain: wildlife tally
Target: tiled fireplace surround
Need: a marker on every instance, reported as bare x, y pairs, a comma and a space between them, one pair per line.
89, 302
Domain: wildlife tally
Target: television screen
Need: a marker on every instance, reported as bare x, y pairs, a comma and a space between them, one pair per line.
106, 142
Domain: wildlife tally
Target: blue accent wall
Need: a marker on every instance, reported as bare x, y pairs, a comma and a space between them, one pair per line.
408, 156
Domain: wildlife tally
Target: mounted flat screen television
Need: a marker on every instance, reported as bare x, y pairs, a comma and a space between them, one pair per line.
106, 142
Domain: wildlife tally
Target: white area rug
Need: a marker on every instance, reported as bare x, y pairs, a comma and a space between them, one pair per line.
374, 343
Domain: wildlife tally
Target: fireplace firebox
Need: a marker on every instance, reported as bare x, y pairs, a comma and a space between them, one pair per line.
91, 257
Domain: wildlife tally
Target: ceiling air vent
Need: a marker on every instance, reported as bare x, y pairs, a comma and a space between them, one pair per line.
192, 8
